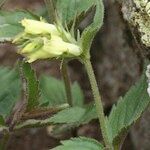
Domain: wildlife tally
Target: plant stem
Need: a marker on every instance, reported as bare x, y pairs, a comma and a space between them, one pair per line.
98, 103
66, 82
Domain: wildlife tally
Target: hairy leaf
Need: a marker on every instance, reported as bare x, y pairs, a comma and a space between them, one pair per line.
80, 143
68, 117
10, 23
32, 86
69, 9
10, 89
90, 32
128, 110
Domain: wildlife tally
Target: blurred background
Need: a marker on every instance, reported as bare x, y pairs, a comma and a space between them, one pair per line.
117, 63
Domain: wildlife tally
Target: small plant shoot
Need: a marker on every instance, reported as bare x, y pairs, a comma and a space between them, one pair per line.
30, 100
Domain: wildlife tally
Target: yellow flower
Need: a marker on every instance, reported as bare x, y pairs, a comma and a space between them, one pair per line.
41, 40
53, 48
38, 27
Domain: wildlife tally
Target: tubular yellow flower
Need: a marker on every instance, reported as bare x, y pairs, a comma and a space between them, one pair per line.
53, 48
41, 40
39, 27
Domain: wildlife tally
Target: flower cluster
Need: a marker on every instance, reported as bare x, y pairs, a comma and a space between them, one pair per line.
148, 76
41, 40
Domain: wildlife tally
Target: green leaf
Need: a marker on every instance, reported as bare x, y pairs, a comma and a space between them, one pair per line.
67, 119
10, 89
77, 94
32, 123
128, 110
76, 115
10, 23
90, 32
69, 9
90, 114
32, 86
80, 143
69, 115
53, 92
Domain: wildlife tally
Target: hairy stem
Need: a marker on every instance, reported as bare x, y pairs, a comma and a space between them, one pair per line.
66, 82
98, 102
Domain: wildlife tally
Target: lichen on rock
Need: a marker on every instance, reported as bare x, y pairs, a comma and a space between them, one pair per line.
139, 16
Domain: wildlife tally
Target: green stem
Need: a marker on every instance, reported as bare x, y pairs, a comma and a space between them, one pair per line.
66, 82
4, 141
98, 102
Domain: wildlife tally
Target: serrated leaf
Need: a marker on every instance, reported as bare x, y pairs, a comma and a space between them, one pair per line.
67, 117
69, 9
80, 143
10, 23
40, 122
53, 92
90, 32
10, 89
128, 110
32, 86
